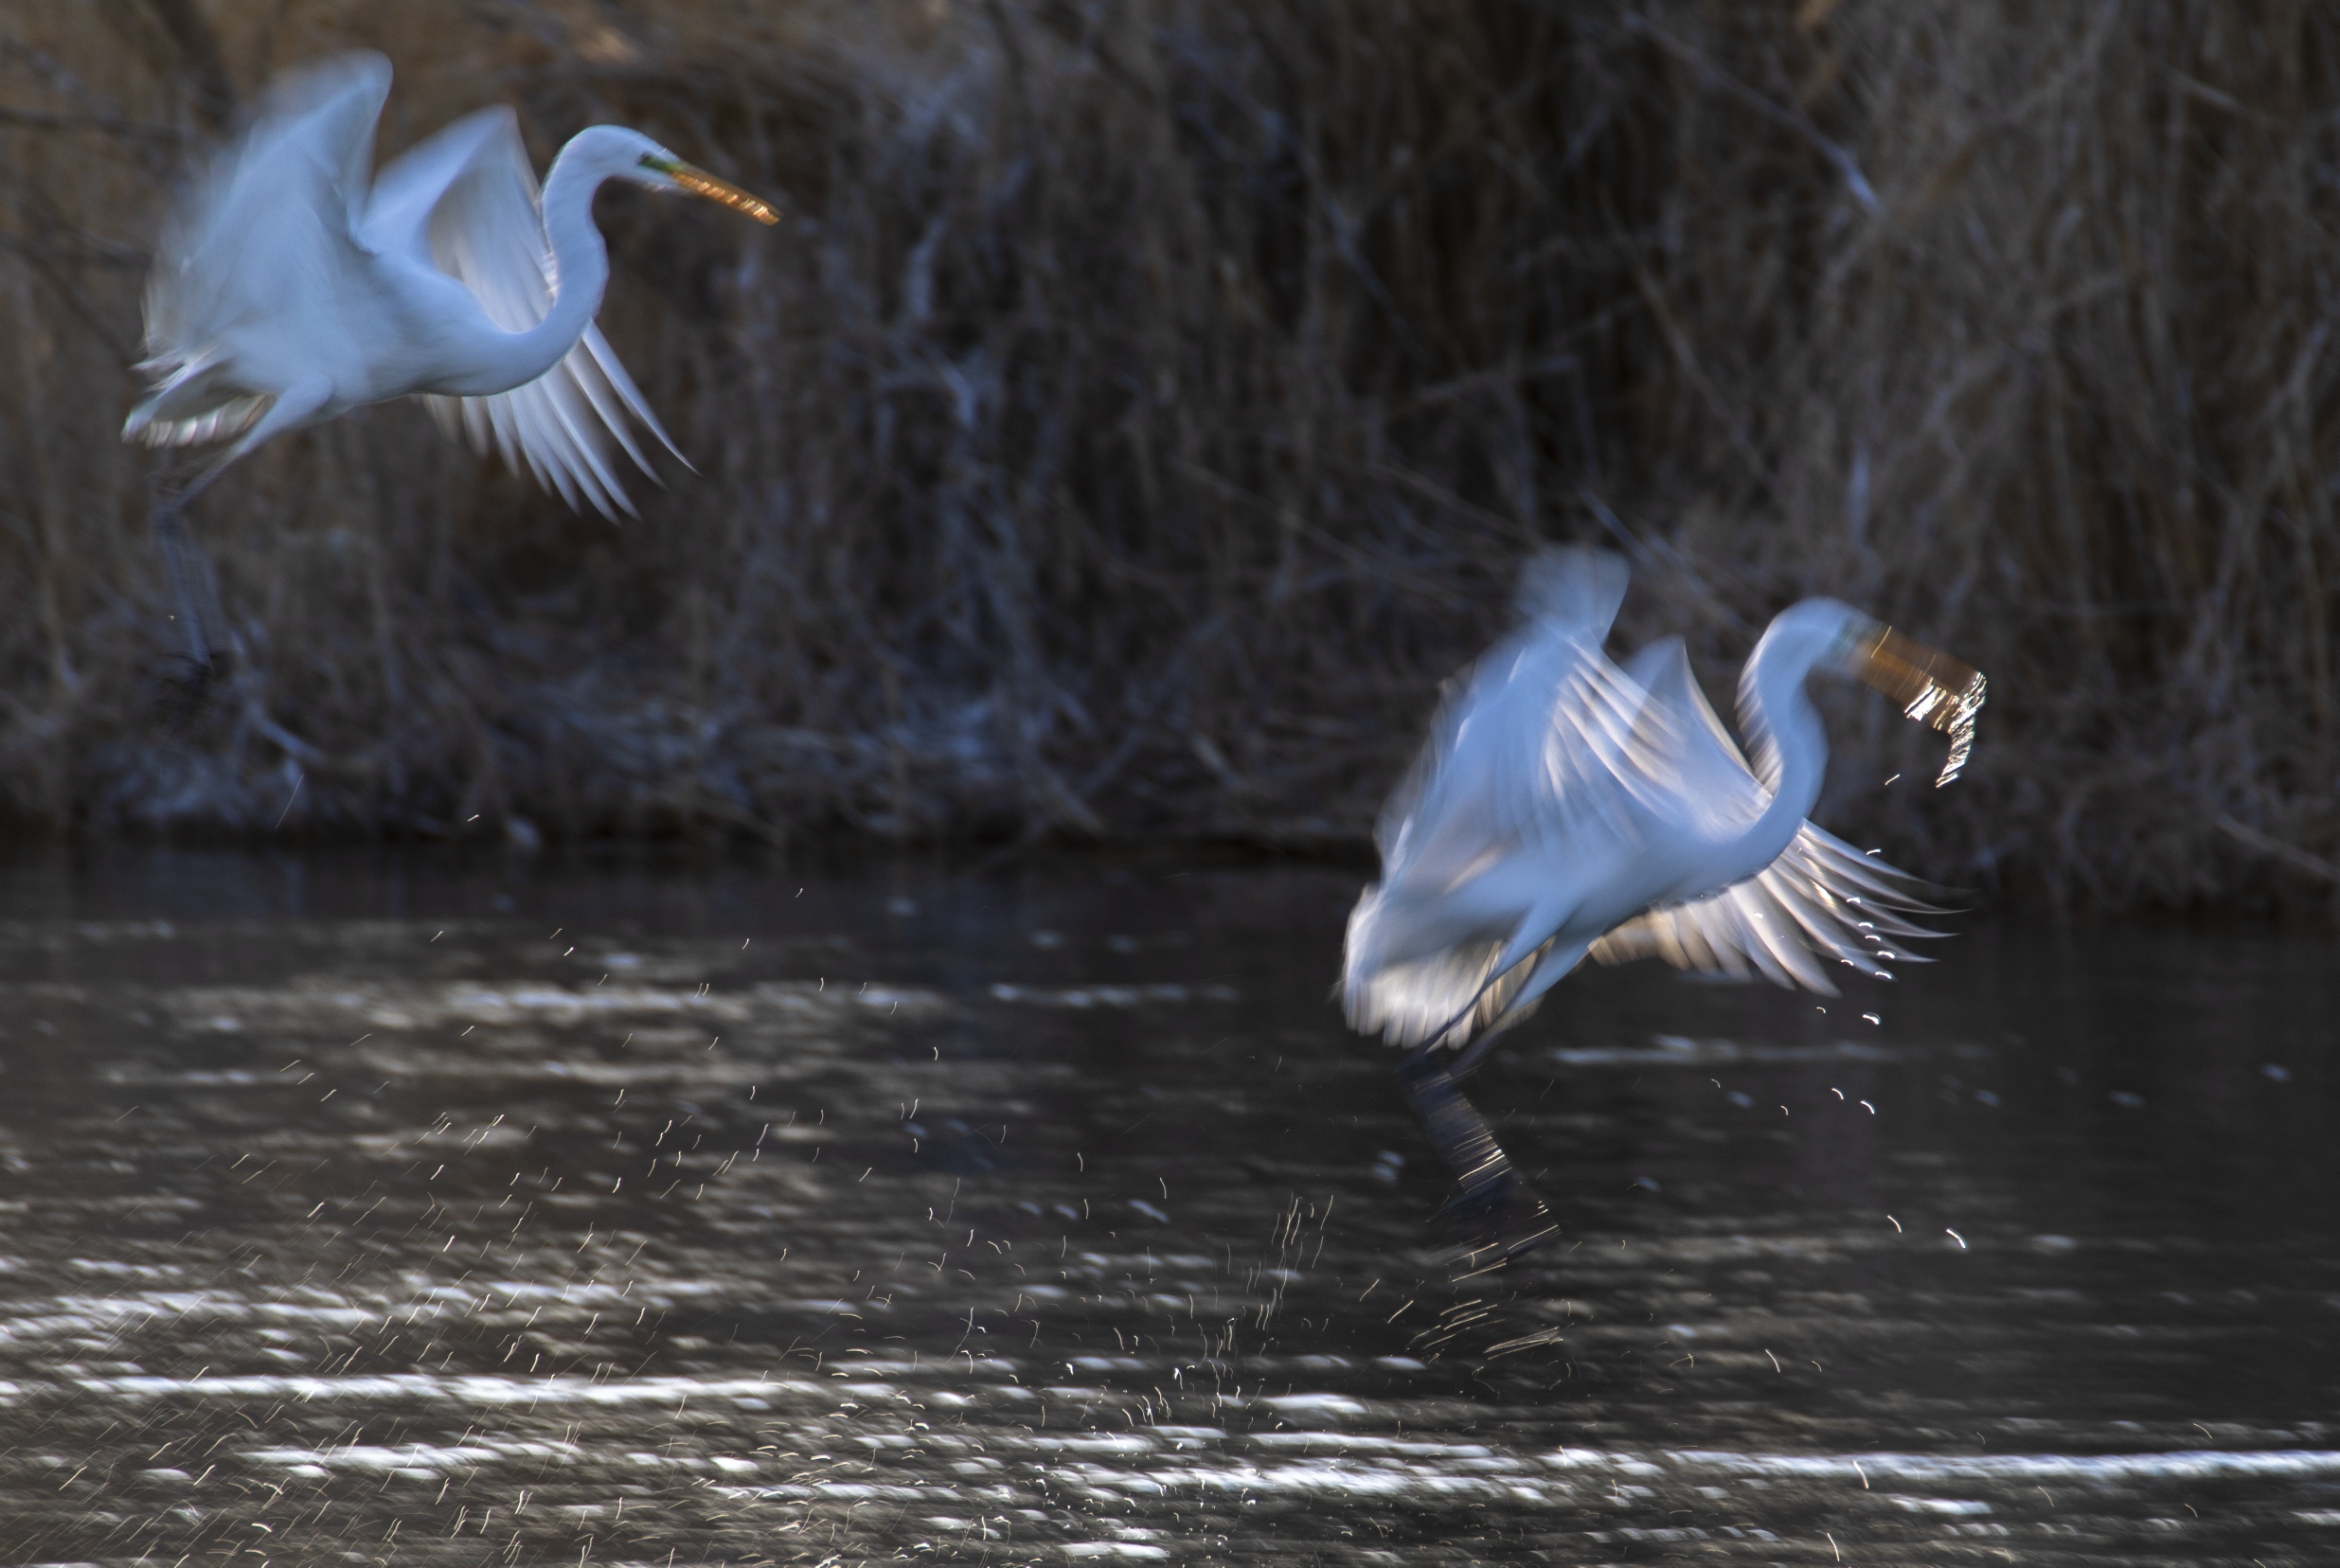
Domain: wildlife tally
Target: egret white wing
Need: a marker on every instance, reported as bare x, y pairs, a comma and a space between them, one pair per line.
1414, 999
1547, 743
1472, 737
466, 201
1820, 904
260, 241
1544, 768
1820, 901
1540, 748
1710, 776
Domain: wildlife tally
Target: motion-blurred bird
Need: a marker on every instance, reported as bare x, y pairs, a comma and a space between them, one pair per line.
1566, 808
286, 291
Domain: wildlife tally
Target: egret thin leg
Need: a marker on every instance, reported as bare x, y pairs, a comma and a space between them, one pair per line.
1466, 1059
1497, 1213
194, 594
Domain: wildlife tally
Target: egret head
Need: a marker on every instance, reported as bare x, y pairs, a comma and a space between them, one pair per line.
1932, 688
629, 155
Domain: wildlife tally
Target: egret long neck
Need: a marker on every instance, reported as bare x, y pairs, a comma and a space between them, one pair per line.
1790, 749
581, 273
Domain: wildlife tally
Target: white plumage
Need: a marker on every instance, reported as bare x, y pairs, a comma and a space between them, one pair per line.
1566, 808
288, 291
466, 201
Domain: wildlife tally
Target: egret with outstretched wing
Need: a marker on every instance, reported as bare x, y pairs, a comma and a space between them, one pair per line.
286, 291
1565, 807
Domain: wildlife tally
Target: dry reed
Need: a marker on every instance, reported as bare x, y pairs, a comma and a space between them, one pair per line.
1145, 404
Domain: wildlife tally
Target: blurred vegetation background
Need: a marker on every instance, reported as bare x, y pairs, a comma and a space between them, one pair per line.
1145, 404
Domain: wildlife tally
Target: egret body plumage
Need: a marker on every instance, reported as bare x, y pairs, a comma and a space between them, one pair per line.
288, 290
1568, 808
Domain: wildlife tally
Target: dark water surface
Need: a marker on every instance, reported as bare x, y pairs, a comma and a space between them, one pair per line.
378, 1210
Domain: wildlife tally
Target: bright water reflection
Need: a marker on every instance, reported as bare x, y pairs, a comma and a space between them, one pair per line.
379, 1210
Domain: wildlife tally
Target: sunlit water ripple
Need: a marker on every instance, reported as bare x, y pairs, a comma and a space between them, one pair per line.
380, 1210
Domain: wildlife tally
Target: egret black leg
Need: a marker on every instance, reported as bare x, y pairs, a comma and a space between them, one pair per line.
194, 595
1496, 1213
184, 570
1466, 1059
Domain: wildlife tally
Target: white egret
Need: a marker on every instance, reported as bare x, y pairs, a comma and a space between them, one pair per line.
286, 291
1565, 807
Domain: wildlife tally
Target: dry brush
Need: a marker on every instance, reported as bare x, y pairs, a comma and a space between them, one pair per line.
1144, 405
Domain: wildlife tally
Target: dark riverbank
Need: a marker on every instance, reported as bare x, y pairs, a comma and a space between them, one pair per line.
1143, 407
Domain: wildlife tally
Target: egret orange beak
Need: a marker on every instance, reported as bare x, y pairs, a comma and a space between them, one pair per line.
1932, 688
721, 192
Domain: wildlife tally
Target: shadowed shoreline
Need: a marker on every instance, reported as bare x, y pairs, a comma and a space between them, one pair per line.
1140, 410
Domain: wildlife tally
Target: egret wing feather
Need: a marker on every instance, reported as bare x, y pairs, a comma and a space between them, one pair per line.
466, 201
1703, 760
1820, 899
1546, 741
1410, 1002
258, 250
1819, 903
1542, 765
1572, 588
